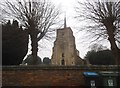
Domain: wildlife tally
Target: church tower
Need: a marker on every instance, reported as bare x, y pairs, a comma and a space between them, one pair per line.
64, 50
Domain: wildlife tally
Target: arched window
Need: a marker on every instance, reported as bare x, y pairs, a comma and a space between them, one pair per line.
62, 55
62, 62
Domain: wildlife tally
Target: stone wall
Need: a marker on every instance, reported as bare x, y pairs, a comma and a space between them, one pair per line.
65, 48
48, 75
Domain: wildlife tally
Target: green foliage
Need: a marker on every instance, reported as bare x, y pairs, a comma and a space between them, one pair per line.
103, 57
14, 43
46, 61
29, 60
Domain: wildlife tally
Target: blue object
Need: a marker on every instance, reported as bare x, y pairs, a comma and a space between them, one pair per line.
90, 74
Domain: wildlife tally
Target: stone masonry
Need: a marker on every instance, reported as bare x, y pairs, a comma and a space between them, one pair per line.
64, 50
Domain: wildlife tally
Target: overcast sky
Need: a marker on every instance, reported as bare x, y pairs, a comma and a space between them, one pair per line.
82, 43
67, 6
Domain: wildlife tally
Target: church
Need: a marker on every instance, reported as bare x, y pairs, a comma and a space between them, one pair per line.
64, 50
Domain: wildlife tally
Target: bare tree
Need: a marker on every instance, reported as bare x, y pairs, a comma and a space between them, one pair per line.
104, 18
36, 16
97, 47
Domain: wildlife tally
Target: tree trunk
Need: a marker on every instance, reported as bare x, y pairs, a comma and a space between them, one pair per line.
115, 50
34, 44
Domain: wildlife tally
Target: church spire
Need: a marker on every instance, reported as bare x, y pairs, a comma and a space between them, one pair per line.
65, 21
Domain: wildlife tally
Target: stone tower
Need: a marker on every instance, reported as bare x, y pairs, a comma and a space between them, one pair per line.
64, 50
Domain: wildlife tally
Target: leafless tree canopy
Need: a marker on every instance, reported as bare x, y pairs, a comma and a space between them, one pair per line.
96, 14
103, 17
36, 16
98, 47
41, 14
